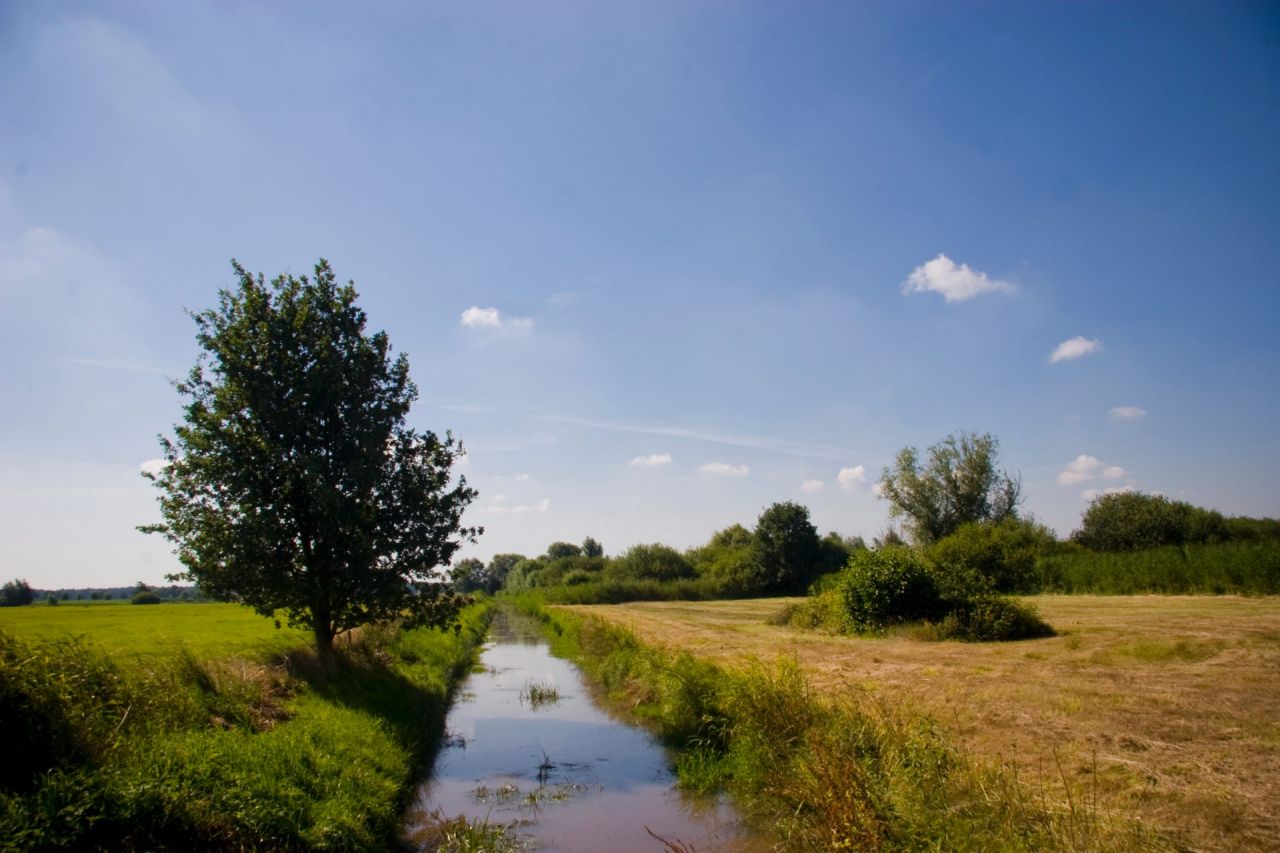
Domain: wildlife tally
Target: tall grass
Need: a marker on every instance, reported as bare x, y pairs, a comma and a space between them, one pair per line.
851, 775
154, 751
1245, 568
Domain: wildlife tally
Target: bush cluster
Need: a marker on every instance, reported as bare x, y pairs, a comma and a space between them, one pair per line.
894, 586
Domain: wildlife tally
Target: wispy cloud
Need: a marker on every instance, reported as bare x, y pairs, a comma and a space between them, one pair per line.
153, 466
476, 317
1085, 468
127, 366
757, 442
812, 486
850, 478
653, 460
541, 506
956, 283
723, 469
1126, 413
1074, 348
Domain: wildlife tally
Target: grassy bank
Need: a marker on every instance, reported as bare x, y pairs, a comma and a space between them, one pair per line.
219, 731
822, 773
1241, 568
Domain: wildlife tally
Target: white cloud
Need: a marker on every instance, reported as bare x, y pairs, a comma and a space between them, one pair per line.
955, 283
653, 460
851, 478
812, 486
522, 478
522, 509
476, 317
1090, 494
153, 466
1126, 413
1075, 348
1085, 468
877, 489
722, 469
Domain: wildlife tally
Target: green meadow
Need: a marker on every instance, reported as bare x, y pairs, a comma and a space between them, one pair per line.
204, 630
206, 725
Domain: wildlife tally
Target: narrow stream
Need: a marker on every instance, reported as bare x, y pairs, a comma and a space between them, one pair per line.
527, 748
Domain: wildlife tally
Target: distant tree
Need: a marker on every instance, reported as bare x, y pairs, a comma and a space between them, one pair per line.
835, 550
1128, 521
728, 559
592, 548
560, 550
468, 575
785, 546
958, 483
16, 593
145, 596
498, 570
524, 574
655, 562
294, 482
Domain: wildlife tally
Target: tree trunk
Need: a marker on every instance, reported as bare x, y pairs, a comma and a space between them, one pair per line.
324, 637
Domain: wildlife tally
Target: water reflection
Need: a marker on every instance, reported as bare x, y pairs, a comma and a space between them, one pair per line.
562, 773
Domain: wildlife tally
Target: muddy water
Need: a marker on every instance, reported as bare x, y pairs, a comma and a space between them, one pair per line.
558, 770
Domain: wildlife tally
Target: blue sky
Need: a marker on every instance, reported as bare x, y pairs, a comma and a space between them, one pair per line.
658, 264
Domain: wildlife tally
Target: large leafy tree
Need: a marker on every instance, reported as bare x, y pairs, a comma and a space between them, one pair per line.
785, 547
957, 483
293, 482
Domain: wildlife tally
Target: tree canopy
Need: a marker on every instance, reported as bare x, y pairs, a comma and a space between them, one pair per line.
16, 593
293, 482
785, 547
957, 483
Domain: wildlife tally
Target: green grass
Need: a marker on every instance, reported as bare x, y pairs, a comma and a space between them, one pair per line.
1242, 568
229, 736
204, 630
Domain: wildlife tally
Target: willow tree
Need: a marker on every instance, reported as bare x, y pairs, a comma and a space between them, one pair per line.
293, 482
958, 482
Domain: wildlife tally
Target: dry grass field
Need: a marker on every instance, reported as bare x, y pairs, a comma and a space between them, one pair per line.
1166, 709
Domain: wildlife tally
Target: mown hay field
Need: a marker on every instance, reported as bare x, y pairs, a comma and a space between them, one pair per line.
1162, 708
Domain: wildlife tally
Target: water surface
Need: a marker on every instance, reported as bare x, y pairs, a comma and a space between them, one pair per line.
563, 774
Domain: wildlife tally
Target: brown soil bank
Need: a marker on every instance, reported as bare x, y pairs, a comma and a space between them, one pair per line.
1167, 709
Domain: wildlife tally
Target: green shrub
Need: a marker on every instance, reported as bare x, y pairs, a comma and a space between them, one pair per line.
991, 619
145, 597
887, 587
823, 611
1004, 553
